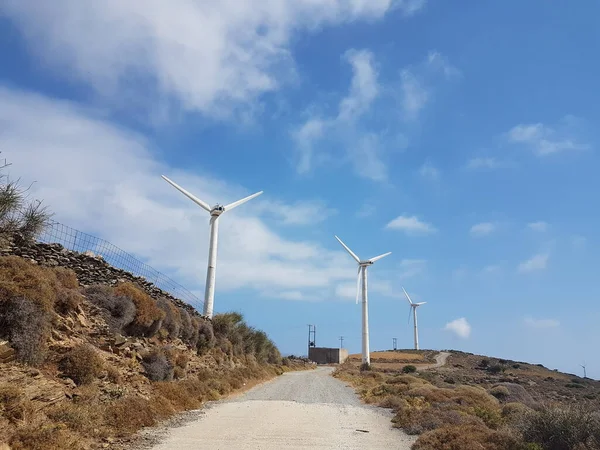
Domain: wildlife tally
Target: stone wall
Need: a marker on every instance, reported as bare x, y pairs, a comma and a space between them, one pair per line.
90, 268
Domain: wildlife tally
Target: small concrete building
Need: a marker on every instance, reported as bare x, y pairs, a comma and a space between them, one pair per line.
323, 355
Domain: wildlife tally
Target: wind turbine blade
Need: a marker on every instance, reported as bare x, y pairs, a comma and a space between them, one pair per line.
242, 201
358, 284
356, 258
407, 296
380, 256
419, 304
187, 194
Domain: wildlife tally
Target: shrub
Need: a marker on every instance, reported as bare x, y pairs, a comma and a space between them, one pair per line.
484, 363
157, 366
26, 325
495, 368
469, 436
514, 413
409, 369
172, 321
575, 386
66, 277
566, 427
188, 332
500, 392
82, 364
119, 310
22, 278
206, 336
365, 367
148, 316
67, 301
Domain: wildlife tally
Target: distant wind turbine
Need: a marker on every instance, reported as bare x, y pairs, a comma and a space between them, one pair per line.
413, 307
215, 212
584, 369
362, 276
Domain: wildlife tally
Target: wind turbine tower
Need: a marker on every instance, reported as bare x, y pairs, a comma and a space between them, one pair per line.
413, 307
362, 276
215, 212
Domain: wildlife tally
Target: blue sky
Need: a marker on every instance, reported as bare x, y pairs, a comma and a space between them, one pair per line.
458, 135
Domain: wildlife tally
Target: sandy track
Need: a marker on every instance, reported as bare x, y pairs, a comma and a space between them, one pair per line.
299, 410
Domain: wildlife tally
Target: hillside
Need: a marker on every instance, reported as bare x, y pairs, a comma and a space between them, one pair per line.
90, 354
478, 402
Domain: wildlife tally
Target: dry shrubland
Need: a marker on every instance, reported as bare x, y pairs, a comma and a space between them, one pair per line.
181, 364
454, 416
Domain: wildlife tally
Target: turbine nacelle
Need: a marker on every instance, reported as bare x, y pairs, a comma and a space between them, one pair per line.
217, 210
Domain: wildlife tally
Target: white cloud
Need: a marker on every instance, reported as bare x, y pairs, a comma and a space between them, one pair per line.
410, 268
460, 327
537, 262
298, 213
362, 149
208, 56
430, 172
104, 180
414, 94
410, 225
485, 163
541, 323
544, 140
482, 229
366, 210
539, 226
491, 269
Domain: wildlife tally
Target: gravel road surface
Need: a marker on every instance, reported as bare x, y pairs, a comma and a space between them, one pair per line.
299, 410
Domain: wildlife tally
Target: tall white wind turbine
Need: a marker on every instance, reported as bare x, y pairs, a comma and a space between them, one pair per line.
362, 275
413, 307
215, 212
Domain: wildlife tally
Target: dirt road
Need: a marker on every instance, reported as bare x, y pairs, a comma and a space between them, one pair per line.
299, 410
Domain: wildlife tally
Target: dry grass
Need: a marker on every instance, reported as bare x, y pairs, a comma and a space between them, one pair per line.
82, 364
148, 316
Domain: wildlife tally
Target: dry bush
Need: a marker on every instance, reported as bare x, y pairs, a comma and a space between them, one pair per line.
40, 435
206, 337
406, 380
22, 278
172, 321
83, 417
67, 301
148, 316
129, 414
181, 360
515, 413
26, 325
500, 392
113, 374
157, 365
82, 364
11, 402
66, 277
517, 393
119, 310
563, 427
188, 332
463, 437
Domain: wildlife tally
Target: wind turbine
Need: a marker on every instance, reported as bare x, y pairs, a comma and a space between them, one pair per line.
414, 307
215, 212
362, 275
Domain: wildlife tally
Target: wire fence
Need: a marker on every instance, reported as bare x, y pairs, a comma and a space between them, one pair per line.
81, 242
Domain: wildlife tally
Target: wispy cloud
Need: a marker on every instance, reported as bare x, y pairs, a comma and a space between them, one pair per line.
479, 163
541, 323
459, 327
411, 225
578, 242
538, 226
410, 268
428, 171
362, 148
414, 95
545, 140
537, 262
304, 212
366, 210
482, 229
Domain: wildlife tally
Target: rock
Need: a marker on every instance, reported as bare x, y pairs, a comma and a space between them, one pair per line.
120, 340
7, 353
82, 320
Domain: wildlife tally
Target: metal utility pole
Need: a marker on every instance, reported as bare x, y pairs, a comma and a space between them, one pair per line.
312, 331
341, 341
395, 340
